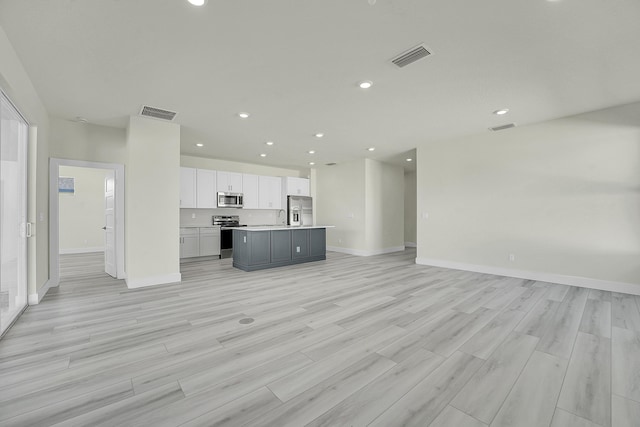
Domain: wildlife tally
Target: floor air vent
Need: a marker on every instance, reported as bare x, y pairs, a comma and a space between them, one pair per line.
157, 113
503, 127
411, 56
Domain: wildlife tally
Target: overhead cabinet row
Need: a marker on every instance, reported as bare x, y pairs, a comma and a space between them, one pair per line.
199, 187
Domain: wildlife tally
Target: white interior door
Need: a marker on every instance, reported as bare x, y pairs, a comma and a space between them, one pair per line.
109, 222
13, 213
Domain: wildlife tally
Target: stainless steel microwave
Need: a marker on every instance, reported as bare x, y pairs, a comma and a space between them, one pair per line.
229, 200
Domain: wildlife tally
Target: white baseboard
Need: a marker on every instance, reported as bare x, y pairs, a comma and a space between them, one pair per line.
410, 244
153, 280
34, 299
583, 282
361, 252
81, 250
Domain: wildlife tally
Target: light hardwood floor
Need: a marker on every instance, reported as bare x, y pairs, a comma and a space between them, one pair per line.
351, 341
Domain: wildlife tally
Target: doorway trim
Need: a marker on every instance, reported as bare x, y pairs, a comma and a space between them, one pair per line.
54, 213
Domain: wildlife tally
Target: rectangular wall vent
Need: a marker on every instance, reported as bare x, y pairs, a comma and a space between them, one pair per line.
411, 56
503, 127
157, 113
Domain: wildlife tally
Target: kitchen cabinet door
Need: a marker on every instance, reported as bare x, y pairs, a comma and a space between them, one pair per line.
209, 242
303, 187
206, 189
187, 188
294, 186
317, 242
230, 182
299, 244
269, 192
189, 243
250, 191
280, 245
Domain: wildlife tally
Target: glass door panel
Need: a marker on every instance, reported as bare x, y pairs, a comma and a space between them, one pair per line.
13, 208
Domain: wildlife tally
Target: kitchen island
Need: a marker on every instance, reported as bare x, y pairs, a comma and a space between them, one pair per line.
257, 248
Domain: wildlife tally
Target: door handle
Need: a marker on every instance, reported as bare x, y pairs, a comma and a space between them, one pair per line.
104, 228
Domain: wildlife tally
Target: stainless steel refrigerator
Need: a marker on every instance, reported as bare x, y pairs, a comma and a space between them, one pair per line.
299, 210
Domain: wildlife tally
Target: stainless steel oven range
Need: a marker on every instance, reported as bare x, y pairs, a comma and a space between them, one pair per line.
226, 232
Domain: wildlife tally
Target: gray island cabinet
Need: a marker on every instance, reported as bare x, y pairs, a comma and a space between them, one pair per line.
257, 248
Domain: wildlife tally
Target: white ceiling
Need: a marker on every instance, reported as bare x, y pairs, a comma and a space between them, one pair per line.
295, 64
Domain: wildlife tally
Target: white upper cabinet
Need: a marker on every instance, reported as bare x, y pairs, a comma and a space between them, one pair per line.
250, 191
230, 182
187, 188
270, 192
295, 186
206, 189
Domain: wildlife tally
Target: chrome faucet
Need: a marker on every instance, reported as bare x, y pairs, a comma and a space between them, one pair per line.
284, 219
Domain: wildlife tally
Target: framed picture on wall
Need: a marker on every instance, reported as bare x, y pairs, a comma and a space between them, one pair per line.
66, 185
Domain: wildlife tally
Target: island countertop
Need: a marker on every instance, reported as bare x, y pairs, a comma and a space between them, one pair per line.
279, 227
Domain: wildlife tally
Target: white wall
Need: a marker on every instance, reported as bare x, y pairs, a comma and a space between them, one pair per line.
81, 214
410, 208
229, 166
364, 199
562, 196
340, 201
384, 206
88, 142
18, 86
152, 200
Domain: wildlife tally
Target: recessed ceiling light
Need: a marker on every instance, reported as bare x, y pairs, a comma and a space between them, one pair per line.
371, 148
409, 160
501, 112
263, 155
269, 142
311, 163
319, 135
243, 115
365, 84
197, 2
312, 152
199, 145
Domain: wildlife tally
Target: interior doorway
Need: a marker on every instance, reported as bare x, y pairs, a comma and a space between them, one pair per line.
87, 213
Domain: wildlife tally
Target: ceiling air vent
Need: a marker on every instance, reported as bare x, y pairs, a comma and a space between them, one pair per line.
503, 127
157, 113
331, 164
411, 56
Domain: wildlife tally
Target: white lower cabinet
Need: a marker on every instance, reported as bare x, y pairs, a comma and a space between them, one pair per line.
189, 242
209, 241
195, 242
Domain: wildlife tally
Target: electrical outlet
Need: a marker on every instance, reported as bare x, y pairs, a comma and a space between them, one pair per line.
339, 240
193, 216
512, 257
298, 249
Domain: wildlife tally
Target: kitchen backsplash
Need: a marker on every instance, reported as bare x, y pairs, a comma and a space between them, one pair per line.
247, 216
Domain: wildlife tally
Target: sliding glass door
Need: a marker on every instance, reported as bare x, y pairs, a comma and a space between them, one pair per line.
13, 209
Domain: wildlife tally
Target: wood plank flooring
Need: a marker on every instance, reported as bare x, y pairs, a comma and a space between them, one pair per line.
350, 341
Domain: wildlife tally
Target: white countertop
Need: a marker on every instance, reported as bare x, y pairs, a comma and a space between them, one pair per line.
279, 227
